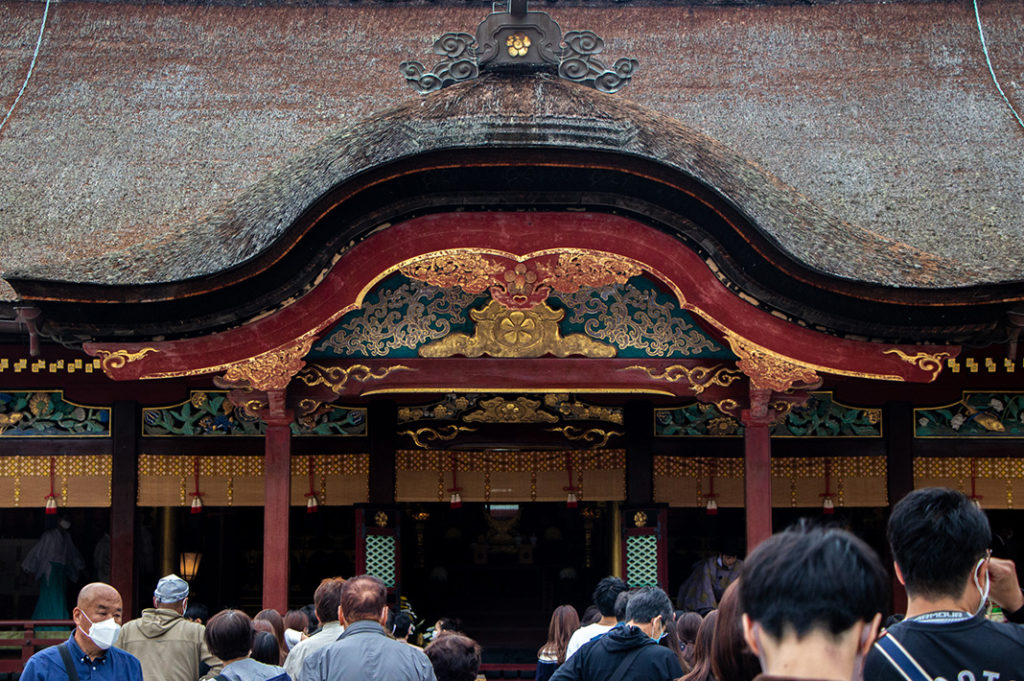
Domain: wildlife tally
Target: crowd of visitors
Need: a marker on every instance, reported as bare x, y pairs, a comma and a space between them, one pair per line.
807, 604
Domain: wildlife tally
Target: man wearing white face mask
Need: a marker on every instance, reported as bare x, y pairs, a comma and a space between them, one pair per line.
88, 654
630, 650
940, 541
812, 600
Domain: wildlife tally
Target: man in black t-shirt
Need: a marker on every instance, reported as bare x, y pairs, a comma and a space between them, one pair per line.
940, 542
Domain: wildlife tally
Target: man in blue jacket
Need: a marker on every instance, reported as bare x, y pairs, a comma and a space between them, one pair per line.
88, 654
631, 650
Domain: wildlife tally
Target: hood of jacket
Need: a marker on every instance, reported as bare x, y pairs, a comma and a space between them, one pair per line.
624, 637
156, 622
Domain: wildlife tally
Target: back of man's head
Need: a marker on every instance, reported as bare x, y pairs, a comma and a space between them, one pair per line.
608, 589
647, 603
807, 579
937, 535
171, 593
363, 598
621, 601
327, 598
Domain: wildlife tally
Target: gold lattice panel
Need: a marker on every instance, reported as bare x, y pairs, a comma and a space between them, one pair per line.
999, 481
78, 481
796, 482
168, 480
425, 475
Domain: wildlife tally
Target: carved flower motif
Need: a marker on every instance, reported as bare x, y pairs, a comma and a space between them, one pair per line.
996, 404
518, 329
518, 45
198, 399
957, 421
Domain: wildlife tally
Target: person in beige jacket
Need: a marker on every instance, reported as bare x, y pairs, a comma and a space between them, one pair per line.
170, 647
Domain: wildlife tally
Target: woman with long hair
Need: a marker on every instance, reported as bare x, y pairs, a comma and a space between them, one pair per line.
564, 621
276, 622
731, 657
687, 626
701, 670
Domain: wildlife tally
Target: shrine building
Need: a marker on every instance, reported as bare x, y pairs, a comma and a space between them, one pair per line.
492, 302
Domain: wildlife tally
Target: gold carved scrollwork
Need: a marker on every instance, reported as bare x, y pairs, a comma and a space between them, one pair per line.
595, 437
700, 378
424, 436
500, 410
582, 411
116, 359
271, 370
336, 378
768, 370
922, 360
576, 269
472, 272
501, 332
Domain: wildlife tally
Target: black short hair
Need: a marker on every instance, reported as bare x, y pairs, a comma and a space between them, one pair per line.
197, 611
647, 603
937, 535
265, 648
401, 624
229, 634
812, 578
454, 657
620, 605
608, 589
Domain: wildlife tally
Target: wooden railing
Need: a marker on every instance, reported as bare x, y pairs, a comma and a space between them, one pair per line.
20, 639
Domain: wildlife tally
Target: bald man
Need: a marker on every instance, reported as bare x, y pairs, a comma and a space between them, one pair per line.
87, 654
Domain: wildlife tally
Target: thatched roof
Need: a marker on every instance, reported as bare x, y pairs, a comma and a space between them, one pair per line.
159, 142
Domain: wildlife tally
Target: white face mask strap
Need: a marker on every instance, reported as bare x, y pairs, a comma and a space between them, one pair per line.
988, 585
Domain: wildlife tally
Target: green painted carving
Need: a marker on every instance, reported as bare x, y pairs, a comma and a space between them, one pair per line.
205, 413
45, 413
977, 414
639, 319
396, 318
209, 413
819, 417
333, 420
695, 420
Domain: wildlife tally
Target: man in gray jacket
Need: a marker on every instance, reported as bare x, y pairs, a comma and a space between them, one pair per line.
169, 647
364, 652
327, 600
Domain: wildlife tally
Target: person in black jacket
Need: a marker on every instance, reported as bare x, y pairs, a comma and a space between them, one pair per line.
629, 650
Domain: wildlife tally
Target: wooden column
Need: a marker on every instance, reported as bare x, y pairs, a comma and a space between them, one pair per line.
276, 502
638, 419
898, 426
381, 424
123, 493
757, 457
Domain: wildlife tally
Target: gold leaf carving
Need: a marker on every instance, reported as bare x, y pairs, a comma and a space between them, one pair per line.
700, 378
271, 370
501, 332
336, 378
595, 437
922, 360
116, 359
500, 410
581, 411
576, 269
470, 271
768, 370
423, 436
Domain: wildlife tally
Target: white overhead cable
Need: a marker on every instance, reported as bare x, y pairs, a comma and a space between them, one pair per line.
984, 48
31, 66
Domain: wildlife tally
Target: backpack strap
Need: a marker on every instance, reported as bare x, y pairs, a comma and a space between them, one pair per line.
627, 662
898, 656
69, 664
